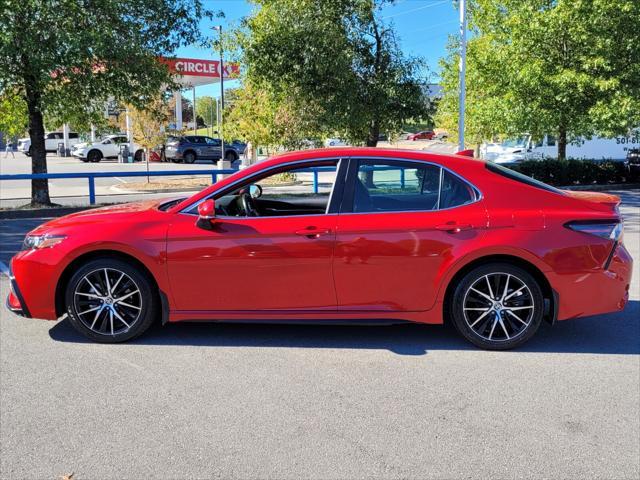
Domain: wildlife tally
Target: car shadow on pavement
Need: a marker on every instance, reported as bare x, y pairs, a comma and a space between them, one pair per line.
617, 333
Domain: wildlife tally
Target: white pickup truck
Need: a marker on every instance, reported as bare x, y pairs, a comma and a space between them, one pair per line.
108, 147
51, 141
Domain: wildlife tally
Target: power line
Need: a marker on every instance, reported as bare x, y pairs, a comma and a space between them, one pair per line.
435, 4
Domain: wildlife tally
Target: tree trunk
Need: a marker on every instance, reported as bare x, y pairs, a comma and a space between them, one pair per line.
372, 141
562, 143
39, 188
374, 133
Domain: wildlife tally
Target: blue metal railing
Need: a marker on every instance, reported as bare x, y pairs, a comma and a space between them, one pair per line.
91, 176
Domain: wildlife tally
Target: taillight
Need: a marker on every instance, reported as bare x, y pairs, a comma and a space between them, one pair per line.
609, 229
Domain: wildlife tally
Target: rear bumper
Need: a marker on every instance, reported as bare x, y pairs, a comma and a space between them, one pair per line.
15, 300
595, 292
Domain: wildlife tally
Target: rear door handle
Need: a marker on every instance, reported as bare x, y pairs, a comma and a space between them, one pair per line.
312, 232
453, 227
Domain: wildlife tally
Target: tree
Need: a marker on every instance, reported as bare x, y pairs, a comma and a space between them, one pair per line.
148, 123
62, 56
13, 114
206, 109
564, 67
264, 117
336, 63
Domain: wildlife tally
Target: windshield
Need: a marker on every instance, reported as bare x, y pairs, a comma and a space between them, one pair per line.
515, 142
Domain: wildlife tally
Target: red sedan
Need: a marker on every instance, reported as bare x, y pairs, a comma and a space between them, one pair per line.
386, 236
424, 135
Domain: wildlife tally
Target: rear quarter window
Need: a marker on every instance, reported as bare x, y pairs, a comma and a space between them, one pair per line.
521, 178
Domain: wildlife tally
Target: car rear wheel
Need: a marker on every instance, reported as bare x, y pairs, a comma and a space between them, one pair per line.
94, 156
230, 156
110, 301
189, 157
497, 306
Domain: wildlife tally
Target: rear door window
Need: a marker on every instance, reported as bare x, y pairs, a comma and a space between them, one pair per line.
404, 186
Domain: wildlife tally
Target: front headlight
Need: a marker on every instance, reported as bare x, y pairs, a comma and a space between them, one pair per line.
36, 242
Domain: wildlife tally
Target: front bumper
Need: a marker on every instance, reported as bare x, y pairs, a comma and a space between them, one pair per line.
172, 153
15, 300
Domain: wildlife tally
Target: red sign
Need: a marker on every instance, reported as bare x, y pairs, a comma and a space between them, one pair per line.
201, 68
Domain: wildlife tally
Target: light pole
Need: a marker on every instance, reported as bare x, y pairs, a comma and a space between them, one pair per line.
463, 68
218, 28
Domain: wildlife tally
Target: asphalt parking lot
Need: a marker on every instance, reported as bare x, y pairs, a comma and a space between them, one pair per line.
291, 402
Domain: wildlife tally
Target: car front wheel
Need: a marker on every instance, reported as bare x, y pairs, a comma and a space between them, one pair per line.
94, 156
497, 306
189, 157
110, 301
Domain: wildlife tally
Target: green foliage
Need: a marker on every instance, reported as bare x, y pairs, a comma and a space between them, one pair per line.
577, 172
332, 67
566, 67
13, 114
206, 109
64, 58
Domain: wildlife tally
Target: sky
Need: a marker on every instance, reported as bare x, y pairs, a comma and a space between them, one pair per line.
423, 27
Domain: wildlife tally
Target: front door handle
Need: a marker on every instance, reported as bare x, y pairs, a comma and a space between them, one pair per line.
453, 227
313, 232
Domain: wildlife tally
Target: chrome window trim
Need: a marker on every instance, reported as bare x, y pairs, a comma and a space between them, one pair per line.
275, 167
478, 193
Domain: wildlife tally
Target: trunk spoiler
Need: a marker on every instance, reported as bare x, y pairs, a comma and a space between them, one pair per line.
597, 200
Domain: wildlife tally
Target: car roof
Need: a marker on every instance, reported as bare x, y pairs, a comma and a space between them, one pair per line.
448, 160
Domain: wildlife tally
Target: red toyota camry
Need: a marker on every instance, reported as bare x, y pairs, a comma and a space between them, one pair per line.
382, 235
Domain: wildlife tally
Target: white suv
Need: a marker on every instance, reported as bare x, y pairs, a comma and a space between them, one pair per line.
109, 147
51, 141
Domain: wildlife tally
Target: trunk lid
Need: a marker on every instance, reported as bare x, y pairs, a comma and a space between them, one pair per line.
601, 201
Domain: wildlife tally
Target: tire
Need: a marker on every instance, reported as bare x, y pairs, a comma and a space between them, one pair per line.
90, 310
84, 160
189, 157
230, 156
138, 156
510, 319
29, 152
94, 156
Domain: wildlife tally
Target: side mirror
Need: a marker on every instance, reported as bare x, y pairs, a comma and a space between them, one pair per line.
206, 213
255, 191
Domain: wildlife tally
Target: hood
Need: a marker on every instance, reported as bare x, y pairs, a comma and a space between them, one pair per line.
95, 217
596, 200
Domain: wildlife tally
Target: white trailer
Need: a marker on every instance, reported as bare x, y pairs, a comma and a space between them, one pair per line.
525, 148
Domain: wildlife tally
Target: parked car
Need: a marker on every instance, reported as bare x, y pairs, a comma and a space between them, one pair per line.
51, 141
424, 135
239, 145
633, 159
441, 136
334, 142
389, 236
190, 148
108, 147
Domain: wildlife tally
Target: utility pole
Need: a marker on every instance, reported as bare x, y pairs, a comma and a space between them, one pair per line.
463, 68
221, 126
